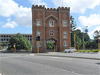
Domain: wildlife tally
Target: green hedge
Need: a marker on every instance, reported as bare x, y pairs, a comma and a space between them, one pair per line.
94, 50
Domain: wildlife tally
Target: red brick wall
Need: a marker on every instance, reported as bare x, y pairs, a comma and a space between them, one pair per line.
57, 15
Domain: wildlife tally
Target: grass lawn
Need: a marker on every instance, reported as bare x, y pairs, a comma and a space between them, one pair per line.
93, 50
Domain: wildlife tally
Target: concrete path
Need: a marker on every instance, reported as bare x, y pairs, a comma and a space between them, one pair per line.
95, 56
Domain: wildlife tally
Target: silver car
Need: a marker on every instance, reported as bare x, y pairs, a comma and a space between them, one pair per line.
71, 50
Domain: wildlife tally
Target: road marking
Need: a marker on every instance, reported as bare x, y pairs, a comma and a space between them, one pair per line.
62, 58
32, 54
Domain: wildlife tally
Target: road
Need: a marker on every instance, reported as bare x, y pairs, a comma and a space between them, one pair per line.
29, 64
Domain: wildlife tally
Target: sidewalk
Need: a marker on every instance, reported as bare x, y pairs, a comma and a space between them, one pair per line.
95, 56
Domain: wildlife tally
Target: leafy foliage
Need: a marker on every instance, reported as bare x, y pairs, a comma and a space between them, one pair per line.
72, 23
50, 45
20, 41
96, 34
79, 36
79, 39
0, 45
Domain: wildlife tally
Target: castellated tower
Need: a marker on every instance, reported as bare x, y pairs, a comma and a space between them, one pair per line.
51, 24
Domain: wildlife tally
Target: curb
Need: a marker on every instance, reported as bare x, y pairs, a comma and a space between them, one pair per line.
72, 57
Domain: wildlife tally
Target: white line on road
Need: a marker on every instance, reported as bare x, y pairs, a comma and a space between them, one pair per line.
31, 54
62, 58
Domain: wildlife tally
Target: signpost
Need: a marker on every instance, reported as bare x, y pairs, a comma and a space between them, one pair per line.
38, 44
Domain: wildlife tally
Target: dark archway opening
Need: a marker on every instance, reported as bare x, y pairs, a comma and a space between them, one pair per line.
51, 45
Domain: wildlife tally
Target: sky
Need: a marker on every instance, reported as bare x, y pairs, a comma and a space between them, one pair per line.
16, 16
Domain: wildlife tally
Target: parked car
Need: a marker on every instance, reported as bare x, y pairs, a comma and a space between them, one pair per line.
70, 50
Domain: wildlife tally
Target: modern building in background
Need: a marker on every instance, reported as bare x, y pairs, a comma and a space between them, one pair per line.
6, 37
51, 24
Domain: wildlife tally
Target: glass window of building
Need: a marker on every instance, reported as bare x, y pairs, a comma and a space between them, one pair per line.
51, 23
51, 33
64, 23
38, 33
38, 22
65, 35
65, 43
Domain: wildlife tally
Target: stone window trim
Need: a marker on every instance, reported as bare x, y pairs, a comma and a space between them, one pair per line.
51, 34
64, 23
51, 22
37, 22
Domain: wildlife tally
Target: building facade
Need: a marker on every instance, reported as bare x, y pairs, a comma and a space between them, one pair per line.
6, 37
51, 25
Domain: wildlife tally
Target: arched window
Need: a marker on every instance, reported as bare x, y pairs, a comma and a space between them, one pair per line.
51, 23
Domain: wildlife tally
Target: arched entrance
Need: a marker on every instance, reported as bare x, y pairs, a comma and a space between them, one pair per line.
51, 45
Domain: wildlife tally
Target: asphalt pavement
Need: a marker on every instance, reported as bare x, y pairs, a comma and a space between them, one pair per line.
31, 64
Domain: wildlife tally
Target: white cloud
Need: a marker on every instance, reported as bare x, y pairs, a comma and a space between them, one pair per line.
8, 8
38, 2
92, 20
77, 6
23, 15
10, 24
92, 32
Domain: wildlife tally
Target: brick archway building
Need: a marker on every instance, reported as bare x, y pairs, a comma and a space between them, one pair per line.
51, 23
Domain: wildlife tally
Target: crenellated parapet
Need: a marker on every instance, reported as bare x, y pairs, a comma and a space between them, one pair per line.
64, 8
38, 7
50, 9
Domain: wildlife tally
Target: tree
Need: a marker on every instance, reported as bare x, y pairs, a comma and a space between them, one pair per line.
3, 44
20, 41
0, 45
79, 39
72, 28
96, 34
72, 23
95, 42
78, 42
